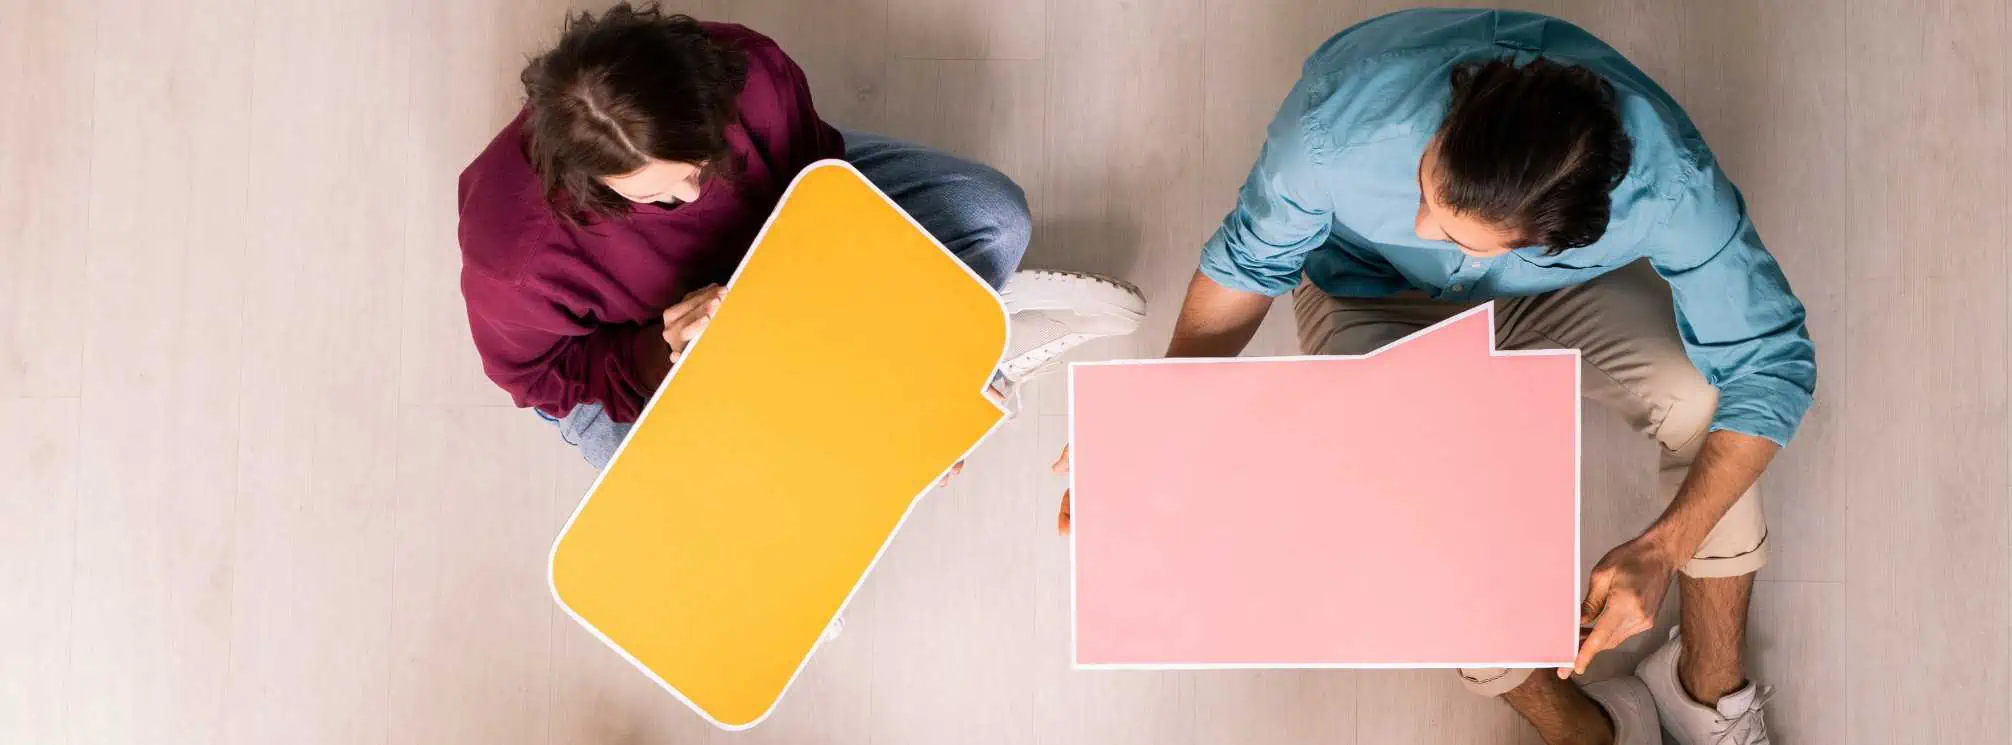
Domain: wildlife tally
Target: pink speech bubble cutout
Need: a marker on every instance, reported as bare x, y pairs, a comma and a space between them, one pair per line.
1414, 507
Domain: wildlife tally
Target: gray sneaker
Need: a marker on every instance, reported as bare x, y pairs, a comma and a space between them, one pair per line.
1736, 720
1630, 706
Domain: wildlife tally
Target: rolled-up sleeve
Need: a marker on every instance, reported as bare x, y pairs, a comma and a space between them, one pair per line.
1282, 213
1741, 324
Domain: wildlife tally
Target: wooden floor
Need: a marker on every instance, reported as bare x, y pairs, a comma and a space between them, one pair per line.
255, 489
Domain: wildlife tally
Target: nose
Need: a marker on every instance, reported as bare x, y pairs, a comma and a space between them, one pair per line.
1421, 223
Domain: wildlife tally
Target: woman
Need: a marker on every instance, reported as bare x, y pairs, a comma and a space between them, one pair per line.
598, 225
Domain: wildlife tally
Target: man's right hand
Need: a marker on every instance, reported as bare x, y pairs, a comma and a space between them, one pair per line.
686, 320
1062, 519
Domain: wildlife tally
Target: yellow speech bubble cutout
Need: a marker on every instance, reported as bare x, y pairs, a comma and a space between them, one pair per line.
842, 376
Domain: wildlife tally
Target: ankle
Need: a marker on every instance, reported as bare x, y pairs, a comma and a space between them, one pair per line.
1600, 733
1560, 712
1706, 684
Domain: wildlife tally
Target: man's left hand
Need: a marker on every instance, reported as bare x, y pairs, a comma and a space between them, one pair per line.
1626, 589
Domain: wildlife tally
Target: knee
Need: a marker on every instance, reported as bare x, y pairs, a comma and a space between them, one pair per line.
1690, 405
1004, 208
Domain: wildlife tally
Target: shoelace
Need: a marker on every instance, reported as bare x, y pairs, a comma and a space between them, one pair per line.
1748, 728
1041, 357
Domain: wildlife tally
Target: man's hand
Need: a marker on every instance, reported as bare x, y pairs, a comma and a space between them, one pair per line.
1628, 584
686, 320
1062, 519
1622, 598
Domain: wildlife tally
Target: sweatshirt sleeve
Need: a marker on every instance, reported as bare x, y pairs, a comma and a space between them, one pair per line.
535, 345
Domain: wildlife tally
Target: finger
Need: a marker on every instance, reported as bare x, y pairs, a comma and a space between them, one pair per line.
1606, 635
1597, 589
1062, 519
692, 302
684, 307
1061, 463
682, 336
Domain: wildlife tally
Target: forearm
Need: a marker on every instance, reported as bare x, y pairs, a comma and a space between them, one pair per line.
1727, 466
1216, 321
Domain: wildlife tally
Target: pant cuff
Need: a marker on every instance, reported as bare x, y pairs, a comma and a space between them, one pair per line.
1711, 567
1494, 681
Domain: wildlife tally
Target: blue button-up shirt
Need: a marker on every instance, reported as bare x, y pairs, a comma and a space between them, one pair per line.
1335, 191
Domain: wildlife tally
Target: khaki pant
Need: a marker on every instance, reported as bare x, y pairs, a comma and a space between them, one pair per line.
1624, 327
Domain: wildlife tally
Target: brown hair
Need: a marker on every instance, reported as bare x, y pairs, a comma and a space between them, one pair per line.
1535, 148
620, 90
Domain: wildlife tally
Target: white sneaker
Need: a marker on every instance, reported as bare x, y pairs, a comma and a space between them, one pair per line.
1053, 312
1631, 707
1737, 719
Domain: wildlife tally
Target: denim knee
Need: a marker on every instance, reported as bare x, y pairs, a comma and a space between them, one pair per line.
1005, 209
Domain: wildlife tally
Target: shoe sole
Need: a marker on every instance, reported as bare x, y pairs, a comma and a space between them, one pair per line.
1137, 305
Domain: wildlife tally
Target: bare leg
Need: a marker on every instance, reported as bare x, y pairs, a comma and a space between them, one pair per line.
1713, 663
1562, 714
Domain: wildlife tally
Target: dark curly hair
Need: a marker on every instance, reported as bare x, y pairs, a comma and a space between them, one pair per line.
1535, 149
621, 89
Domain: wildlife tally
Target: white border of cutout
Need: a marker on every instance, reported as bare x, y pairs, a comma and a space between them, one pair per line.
912, 502
1487, 308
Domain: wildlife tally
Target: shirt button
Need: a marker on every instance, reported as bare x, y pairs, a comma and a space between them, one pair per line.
1476, 265
1460, 288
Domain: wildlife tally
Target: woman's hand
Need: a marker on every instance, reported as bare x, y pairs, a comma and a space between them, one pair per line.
686, 320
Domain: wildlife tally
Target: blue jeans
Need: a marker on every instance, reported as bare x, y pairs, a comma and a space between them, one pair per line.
973, 210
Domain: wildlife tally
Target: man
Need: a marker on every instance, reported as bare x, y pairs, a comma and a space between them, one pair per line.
1430, 160
597, 226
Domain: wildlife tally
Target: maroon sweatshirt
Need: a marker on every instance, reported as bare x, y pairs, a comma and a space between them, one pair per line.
566, 314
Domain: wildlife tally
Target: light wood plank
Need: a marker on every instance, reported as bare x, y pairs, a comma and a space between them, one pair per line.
1926, 510
1797, 647
1925, 429
472, 619
967, 29
312, 536
151, 643
842, 45
49, 51
38, 524
1276, 707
